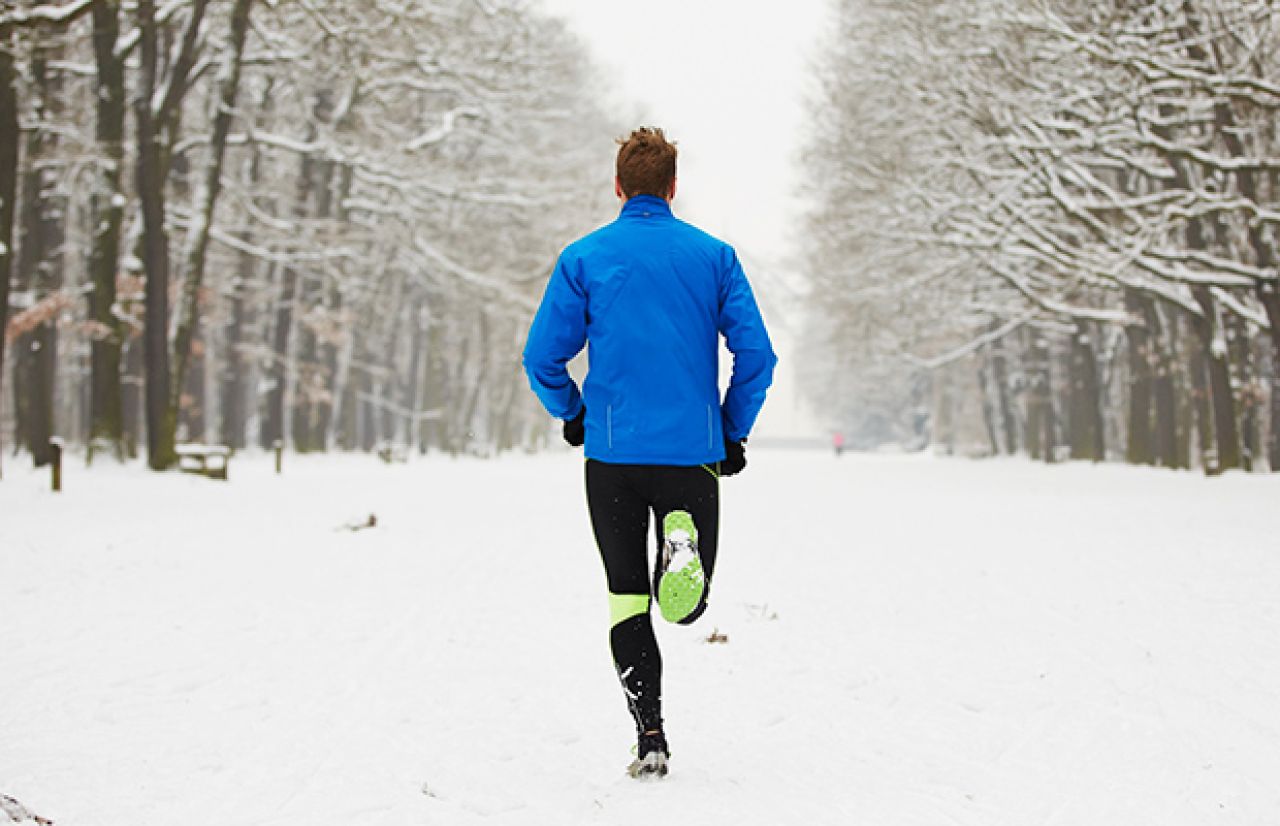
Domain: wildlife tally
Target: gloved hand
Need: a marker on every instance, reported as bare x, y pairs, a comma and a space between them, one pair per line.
735, 457
575, 432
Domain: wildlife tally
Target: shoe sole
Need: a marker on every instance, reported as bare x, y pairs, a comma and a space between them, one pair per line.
653, 766
680, 590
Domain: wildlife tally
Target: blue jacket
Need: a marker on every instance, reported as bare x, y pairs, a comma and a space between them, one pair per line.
651, 295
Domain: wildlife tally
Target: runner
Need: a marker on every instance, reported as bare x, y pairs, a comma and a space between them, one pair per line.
651, 295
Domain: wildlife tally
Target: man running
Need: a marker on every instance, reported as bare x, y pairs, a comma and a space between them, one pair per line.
650, 296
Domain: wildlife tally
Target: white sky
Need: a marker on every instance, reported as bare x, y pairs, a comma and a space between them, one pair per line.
727, 80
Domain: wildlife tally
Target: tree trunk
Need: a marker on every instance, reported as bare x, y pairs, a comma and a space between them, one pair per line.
157, 112
452, 381
503, 430
1271, 301
1203, 412
277, 370
327, 363
210, 188
411, 398
232, 394
1260, 240
341, 426
1227, 453
1163, 348
237, 400
192, 403
1240, 359
9, 137
1166, 404
481, 380
1217, 358
155, 251
1000, 380
1050, 418
106, 205
329, 355
984, 394
1038, 396
367, 417
1139, 449
280, 373
311, 381
429, 426
388, 384
1085, 415
34, 351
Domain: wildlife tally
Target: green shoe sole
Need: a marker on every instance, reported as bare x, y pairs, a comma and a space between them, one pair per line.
681, 587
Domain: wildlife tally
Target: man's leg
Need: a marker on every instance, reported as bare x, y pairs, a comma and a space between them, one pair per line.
620, 520
696, 491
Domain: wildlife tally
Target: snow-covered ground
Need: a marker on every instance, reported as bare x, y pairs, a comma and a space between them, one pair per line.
910, 641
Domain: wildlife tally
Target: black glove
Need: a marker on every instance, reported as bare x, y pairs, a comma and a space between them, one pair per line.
735, 457
575, 432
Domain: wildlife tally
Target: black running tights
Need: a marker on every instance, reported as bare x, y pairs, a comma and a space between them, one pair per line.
621, 499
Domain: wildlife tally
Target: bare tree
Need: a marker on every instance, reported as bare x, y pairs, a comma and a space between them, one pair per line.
9, 137
1100, 173
351, 207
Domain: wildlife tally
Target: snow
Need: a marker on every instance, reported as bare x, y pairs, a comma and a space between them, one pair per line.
908, 640
447, 124
49, 13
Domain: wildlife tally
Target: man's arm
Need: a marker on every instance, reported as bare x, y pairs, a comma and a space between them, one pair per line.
558, 333
753, 356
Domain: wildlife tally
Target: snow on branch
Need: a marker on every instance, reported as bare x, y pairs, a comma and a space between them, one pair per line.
1216, 162
973, 346
472, 277
439, 133
1058, 308
129, 40
1254, 315
58, 15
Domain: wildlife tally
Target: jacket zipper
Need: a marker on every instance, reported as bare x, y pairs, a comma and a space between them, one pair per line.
711, 441
608, 421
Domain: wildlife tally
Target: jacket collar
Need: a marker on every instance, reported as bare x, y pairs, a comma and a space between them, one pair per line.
644, 206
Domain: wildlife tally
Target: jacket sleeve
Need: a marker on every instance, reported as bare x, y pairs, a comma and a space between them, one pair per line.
753, 356
558, 333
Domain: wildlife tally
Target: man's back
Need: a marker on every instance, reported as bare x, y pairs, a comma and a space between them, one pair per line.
651, 294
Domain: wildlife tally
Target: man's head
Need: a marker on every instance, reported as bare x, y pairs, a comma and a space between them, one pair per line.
646, 165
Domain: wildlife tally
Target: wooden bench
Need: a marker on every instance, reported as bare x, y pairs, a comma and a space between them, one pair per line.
390, 453
206, 460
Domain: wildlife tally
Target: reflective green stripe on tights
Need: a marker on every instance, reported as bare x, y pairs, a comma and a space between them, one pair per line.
625, 606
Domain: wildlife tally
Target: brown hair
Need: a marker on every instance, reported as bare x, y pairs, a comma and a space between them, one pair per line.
646, 163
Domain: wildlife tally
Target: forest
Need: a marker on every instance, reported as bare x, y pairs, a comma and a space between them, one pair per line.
1031, 227
314, 223
1049, 227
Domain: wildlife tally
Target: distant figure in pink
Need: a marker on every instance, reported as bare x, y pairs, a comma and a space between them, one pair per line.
837, 442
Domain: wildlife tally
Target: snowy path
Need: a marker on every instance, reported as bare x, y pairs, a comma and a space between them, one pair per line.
910, 641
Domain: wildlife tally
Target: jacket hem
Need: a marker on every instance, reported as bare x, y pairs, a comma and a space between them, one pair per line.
646, 459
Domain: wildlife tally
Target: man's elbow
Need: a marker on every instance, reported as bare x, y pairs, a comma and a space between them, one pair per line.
767, 362
544, 371
536, 362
